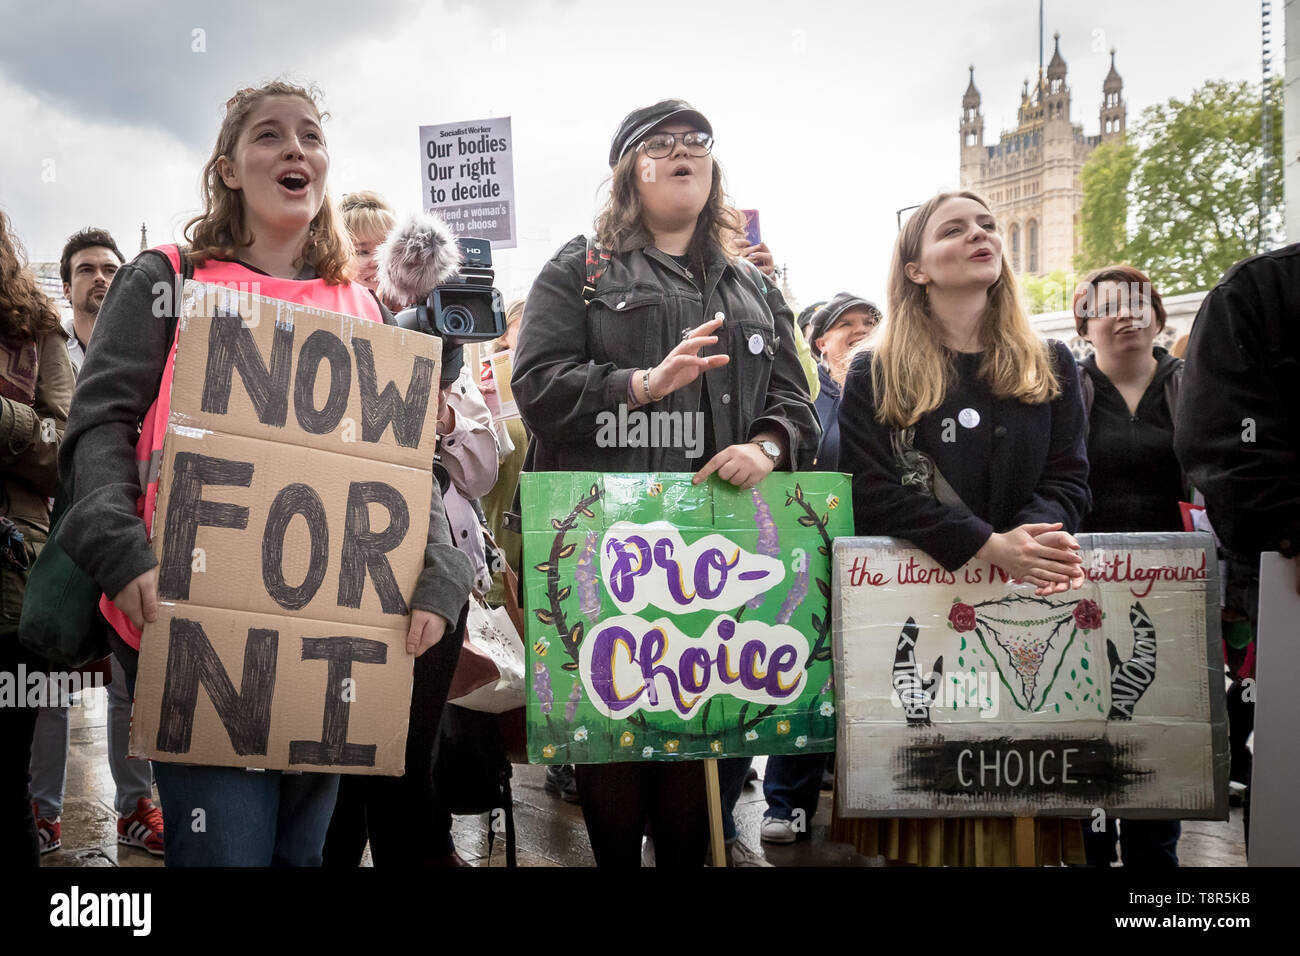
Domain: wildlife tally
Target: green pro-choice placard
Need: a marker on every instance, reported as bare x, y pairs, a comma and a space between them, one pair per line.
670, 621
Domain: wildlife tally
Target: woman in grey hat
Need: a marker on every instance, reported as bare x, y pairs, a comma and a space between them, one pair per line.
675, 321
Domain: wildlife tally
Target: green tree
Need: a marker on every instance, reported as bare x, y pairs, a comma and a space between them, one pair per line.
1195, 191
1048, 293
1105, 178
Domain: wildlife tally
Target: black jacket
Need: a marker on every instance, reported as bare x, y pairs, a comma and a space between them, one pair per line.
1238, 423
1018, 464
1135, 479
573, 363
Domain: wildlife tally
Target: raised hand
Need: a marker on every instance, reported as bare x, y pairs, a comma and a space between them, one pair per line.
683, 364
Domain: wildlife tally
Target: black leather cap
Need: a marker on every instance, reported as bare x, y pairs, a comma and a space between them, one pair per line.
832, 310
640, 122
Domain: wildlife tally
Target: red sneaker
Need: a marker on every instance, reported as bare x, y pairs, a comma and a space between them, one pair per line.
50, 832
144, 828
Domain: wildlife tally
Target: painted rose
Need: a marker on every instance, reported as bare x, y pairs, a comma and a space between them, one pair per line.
1087, 615
962, 617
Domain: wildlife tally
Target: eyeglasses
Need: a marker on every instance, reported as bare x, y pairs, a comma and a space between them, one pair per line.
697, 143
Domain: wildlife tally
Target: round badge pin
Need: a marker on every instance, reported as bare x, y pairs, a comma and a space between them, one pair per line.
968, 417
755, 343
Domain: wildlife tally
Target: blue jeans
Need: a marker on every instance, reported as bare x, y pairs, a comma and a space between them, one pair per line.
793, 782
225, 816
731, 781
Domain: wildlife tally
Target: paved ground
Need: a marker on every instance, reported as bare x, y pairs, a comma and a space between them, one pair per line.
549, 831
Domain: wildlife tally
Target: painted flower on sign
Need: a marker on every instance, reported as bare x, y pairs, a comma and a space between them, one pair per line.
1087, 615
827, 709
548, 751
647, 752
801, 741
580, 734
670, 746
783, 726
751, 735
961, 617
715, 746
626, 739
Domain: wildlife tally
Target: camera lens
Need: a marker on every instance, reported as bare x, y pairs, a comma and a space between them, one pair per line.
457, 320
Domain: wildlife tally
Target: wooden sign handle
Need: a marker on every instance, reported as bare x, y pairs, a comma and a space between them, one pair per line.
717, 846
1024, 842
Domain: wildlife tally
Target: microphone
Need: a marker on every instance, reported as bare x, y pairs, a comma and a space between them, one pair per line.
416, 258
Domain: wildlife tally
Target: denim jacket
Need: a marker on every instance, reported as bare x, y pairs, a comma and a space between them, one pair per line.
574, 363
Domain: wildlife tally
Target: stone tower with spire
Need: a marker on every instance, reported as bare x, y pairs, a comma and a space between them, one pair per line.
1114, 112
1031, 176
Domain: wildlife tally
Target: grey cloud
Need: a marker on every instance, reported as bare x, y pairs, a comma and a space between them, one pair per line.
133, 62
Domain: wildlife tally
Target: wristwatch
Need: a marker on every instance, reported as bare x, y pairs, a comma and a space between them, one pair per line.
769, 448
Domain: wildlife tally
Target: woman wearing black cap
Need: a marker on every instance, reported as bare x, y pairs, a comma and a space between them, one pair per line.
677, 322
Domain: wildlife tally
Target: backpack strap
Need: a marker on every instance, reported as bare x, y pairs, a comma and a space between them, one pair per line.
183, 267
597, 261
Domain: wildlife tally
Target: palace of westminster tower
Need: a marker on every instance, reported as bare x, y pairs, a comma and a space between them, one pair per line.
1031, 177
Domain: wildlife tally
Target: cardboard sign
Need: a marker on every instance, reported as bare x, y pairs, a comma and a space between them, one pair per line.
468, 178
963, 694
670, 621
293, 512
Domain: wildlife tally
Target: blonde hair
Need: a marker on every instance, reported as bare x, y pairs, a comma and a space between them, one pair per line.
619, 225
219, 230
366, 215
910, 368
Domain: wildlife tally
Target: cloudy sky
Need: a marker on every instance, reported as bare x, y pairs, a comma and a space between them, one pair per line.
828, 116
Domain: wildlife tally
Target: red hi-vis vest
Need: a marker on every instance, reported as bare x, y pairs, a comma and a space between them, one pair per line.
347, 298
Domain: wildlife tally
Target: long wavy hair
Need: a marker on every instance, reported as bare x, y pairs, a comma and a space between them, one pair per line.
911, 369
620, 226
26, 313
220, 229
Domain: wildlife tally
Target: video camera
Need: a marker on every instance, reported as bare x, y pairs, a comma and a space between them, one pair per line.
463, 309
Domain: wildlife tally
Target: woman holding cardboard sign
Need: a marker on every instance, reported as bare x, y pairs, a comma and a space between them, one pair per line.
662, 314
268, 222
965, 435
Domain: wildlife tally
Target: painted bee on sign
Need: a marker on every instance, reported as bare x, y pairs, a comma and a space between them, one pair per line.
541, 647
655, 489
832, 502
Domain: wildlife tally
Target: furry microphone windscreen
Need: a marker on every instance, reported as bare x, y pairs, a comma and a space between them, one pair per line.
418, 255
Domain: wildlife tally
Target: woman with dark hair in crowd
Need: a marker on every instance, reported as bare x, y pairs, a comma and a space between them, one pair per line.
1130, 394
958, 348
267, 221
678, 322
35, 390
